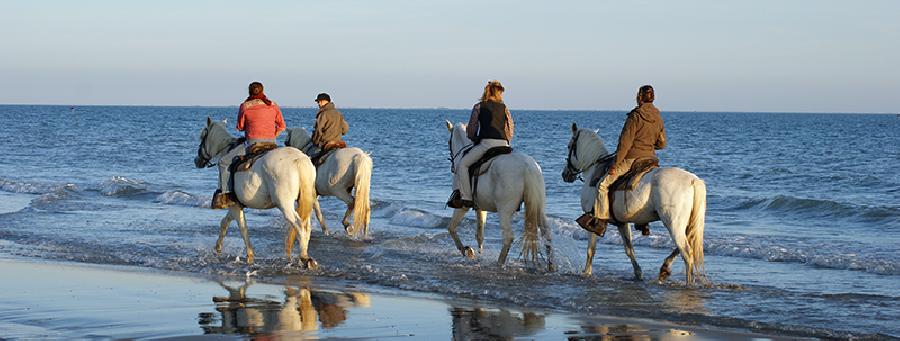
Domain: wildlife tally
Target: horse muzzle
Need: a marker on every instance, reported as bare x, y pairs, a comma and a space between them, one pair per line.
199, 163
569, 177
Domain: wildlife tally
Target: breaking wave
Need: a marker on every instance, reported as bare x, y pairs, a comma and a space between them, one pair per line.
819, 208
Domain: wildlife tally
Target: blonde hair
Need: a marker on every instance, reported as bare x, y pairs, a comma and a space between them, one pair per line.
493, 91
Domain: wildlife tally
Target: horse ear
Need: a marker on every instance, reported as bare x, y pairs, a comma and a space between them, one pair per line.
574, 127
208, 121
449, 125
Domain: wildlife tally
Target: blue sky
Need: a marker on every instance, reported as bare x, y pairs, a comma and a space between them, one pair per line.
804, 55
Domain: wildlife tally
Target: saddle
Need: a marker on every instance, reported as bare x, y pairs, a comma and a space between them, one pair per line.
326, 151
483, 164
628, 182
245, 162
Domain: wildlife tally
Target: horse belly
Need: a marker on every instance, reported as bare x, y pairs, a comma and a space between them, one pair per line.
251, 191
634, 206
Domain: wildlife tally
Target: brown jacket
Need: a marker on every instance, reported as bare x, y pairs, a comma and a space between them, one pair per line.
472, 127
642, 134
330, 126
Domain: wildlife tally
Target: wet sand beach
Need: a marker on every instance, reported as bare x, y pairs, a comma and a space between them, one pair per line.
64, 300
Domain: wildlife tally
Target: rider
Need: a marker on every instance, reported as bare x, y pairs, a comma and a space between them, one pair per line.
330, 127
489, 126
261, 121
642, 134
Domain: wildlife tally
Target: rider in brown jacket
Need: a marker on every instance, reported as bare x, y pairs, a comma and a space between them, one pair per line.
330, 126
641, 136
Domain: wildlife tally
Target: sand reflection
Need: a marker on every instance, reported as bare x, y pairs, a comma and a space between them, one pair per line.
482, 323
299, 310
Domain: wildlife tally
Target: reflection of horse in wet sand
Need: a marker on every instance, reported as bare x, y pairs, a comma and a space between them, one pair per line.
490, 324
672, 195
346, 171
301, 311
279, 179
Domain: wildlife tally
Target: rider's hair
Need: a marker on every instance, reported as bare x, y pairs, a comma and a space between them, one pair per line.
493, 91
645, 95
255, 88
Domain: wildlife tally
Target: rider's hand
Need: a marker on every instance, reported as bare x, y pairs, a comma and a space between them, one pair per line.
612, 171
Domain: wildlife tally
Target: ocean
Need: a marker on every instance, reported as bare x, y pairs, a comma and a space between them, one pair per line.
802, 227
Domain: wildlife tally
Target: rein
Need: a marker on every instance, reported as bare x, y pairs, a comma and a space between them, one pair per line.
457, 154
202, 154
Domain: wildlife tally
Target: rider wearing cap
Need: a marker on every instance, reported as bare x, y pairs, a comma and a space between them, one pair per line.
330, 126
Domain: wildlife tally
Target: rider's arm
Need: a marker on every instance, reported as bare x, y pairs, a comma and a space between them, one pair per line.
626, 138
510, 126
661, 140
279, 120
344, 126
240, 120
472, 127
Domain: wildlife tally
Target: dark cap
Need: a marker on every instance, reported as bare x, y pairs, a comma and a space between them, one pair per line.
323, 97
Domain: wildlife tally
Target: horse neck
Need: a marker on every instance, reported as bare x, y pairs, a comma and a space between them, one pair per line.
218, 139
459, 141
589, 151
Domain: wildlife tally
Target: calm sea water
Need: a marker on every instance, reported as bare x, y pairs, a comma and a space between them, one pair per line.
802, 236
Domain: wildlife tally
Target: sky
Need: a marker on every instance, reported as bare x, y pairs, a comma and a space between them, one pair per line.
761, 55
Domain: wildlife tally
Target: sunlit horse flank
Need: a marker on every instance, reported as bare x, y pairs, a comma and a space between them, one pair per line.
280, 178
512, 179
672, 195
346, 174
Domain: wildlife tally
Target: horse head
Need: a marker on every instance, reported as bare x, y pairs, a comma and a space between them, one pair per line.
212, 140
458, 142
584, 149
298, 138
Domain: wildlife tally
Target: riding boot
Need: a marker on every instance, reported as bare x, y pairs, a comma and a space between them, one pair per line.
456, 201
591, 224
644, 228
222, 200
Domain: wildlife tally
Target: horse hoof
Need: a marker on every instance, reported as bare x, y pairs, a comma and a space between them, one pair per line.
638, 278
468, 252
551, 267
586, 274
663, 275
250, 258
310, 263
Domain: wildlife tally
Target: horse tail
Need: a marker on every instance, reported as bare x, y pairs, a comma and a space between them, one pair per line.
361, 204
307, 196
535, 203
696, 224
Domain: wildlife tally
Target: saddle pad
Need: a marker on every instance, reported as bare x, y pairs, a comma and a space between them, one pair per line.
631, 178
254, 152
476, 168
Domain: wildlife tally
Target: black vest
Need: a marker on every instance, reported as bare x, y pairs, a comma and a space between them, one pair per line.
492, 121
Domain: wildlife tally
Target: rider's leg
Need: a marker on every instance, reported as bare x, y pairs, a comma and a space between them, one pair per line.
222, 198
465, 183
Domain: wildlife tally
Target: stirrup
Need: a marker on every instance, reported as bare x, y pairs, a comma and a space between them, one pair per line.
591, 224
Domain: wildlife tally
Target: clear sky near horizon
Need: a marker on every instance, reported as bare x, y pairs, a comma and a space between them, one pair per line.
794, 56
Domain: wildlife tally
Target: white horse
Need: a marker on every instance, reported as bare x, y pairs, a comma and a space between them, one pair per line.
278, 179
345, 170
672, 195
511, 180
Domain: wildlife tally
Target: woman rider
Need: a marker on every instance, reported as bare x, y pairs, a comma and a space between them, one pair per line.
489, 126
642, 134
261, 121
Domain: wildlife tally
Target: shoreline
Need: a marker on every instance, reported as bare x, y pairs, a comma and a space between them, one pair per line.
63, 299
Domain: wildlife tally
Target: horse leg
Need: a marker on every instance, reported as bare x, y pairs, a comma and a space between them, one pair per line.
625, 233
506, 226
289, 241
347, 199
319, 217
589, 263
238, 212
458, 215
296, 224
481, 219
223, 229
676, 219
664, 270
548, 246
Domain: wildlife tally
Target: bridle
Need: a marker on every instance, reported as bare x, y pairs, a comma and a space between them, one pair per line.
573, 150
453, 156
202, 153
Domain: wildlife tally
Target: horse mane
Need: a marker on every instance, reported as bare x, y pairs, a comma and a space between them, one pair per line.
459, 132
590, 147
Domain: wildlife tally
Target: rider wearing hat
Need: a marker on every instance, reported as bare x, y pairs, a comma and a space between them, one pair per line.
330, 127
